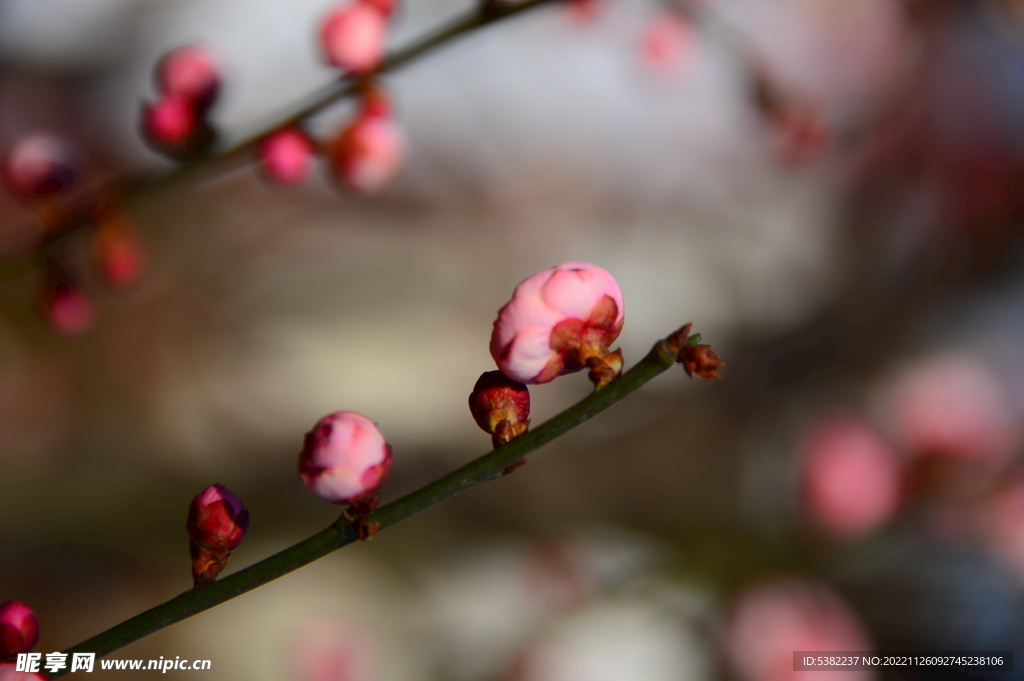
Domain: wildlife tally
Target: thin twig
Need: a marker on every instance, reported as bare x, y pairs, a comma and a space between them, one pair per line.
490, 466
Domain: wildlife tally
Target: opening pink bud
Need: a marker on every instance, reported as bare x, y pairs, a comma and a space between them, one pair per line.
19, 629
771, 621
344, 458
217, 521
40, 165
500, 406
558, 321
852, 479
189, 73
367, 154
287, 156
353, 37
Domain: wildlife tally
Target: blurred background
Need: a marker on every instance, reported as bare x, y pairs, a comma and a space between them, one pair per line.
831, 190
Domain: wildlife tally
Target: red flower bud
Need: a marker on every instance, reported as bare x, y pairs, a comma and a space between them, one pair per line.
19, 629
500, 406
40, 165
367, 154
217, 521
287, 156
64, 304
559, 321
189, 73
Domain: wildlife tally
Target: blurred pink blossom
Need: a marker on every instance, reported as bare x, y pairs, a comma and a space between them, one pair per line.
951, 405
40, 165
352, 36
367, 154
667, 42
851, 478
769, 622
328, 649
287, 156
189, 73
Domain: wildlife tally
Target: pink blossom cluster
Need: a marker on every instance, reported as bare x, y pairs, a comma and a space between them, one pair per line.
949, 431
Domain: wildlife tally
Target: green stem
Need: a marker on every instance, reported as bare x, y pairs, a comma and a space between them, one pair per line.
488, 467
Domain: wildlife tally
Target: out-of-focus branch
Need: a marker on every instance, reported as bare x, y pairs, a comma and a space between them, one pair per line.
240, 151
499, 462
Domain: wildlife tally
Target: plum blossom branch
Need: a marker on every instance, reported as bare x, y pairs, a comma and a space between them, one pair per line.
241, 151
491, 466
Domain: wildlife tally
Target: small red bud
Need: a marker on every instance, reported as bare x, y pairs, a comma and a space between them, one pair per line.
287, 156
189, 73
19, 629
40, 165
64, 304
500, 406
217, 521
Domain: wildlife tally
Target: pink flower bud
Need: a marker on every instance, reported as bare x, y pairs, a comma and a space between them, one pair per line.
772, 621
353, 37
367, 154
19, 629
287, 156
40, 165
217, 521
9, 672
173, 125
344, 458
64, 304
558, 321
852, 479
500, 406
189, 73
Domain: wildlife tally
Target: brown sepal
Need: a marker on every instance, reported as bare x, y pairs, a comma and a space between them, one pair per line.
604, 370
359, 512
506, 431
208, 560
